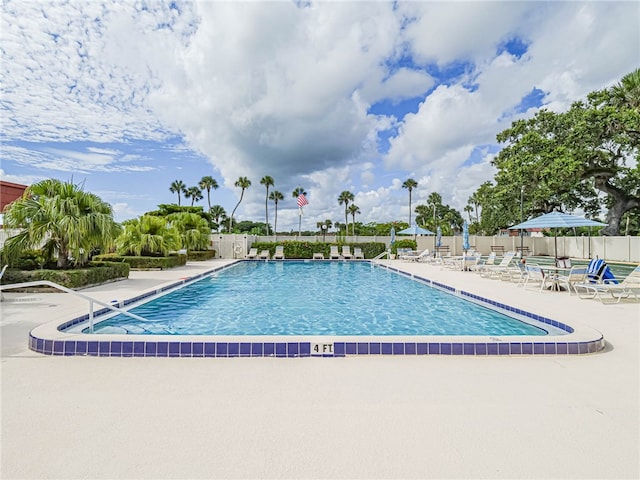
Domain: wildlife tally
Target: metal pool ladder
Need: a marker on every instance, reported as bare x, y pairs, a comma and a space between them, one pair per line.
91, 300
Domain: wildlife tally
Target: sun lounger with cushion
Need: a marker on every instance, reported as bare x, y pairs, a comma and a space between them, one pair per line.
629, 287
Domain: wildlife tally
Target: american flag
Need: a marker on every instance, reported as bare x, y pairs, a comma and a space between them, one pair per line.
302, 200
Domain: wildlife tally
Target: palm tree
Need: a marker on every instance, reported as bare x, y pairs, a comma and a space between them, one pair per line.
296, 193
345, 197
207, 183
193, 229
627, 92
60, 219
353, 210
410, 184
148, 236
194, 193
218, 213
469, 209
178, 187
243, 183
267, 181
276, 196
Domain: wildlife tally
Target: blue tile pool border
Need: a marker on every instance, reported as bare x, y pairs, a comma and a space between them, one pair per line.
203, 347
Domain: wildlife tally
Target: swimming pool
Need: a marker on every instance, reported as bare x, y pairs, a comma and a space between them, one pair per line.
315, 298
63, 337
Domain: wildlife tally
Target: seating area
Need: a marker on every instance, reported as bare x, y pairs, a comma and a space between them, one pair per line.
252, 255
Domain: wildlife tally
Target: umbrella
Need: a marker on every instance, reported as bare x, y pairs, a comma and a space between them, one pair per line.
415, 230
393, 236
438, 237
557, 220
465, 236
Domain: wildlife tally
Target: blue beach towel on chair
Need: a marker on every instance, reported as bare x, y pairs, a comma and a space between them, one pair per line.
598, 270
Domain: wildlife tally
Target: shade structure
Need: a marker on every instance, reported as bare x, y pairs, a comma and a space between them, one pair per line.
415, 230
557, 220
393, 236
438, 237
465, 236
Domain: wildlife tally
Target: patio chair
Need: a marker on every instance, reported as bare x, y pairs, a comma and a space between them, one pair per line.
629, 287
264, 255
346, 252
534, 274
318, 256
575, 276
279, 253
253, 253
334, 254
515, 273
414, 255
357, 253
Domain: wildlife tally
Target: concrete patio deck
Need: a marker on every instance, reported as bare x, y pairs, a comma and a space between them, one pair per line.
355, 417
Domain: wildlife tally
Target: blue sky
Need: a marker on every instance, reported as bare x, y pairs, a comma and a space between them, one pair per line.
126, 97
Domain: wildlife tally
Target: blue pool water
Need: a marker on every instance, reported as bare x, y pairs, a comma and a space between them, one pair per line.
313, 298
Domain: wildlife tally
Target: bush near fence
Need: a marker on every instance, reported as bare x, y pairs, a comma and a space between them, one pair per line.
304, 250
200, 255
404, 243
145, 263
95, 273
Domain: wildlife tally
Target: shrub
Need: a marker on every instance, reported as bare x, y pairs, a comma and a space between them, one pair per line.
303, 250
145, 263
94, 273
200, 255
411, 244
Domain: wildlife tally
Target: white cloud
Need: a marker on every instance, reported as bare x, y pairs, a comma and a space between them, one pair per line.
271, 88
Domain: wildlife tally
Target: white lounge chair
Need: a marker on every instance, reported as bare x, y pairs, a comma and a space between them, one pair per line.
318, 256
414, 255
357, 253
264, 255
490, 260
279, 253
253, 253
334, 254
495, 271
346, 252
629, 287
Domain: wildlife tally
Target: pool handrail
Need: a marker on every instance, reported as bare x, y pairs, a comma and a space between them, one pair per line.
91, 300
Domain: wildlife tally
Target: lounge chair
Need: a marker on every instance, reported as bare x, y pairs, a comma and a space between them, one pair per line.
279, 253
253, 253
264, 255
414, 255
516, 273
334, 254
318, 256
495, 271
629, 287
490, 260
357, 253
346, 252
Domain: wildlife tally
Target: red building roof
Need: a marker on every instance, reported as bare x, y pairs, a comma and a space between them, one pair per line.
10, 192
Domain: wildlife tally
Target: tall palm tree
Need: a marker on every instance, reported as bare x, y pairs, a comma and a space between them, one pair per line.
469, 209
243, 183
178, 187
353, 210
276, 196
267, 181
194, 193
345, 197
218, 213
410, 184
295, 194
207, 183
61, 219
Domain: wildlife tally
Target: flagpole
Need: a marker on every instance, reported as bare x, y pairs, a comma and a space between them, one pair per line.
300, 221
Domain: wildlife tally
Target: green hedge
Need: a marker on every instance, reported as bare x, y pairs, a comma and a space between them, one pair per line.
200, 255
145, 263
94, 273
303, 250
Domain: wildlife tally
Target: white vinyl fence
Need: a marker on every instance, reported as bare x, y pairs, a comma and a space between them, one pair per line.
616, 249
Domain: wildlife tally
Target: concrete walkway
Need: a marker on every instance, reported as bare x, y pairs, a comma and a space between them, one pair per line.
354, 417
